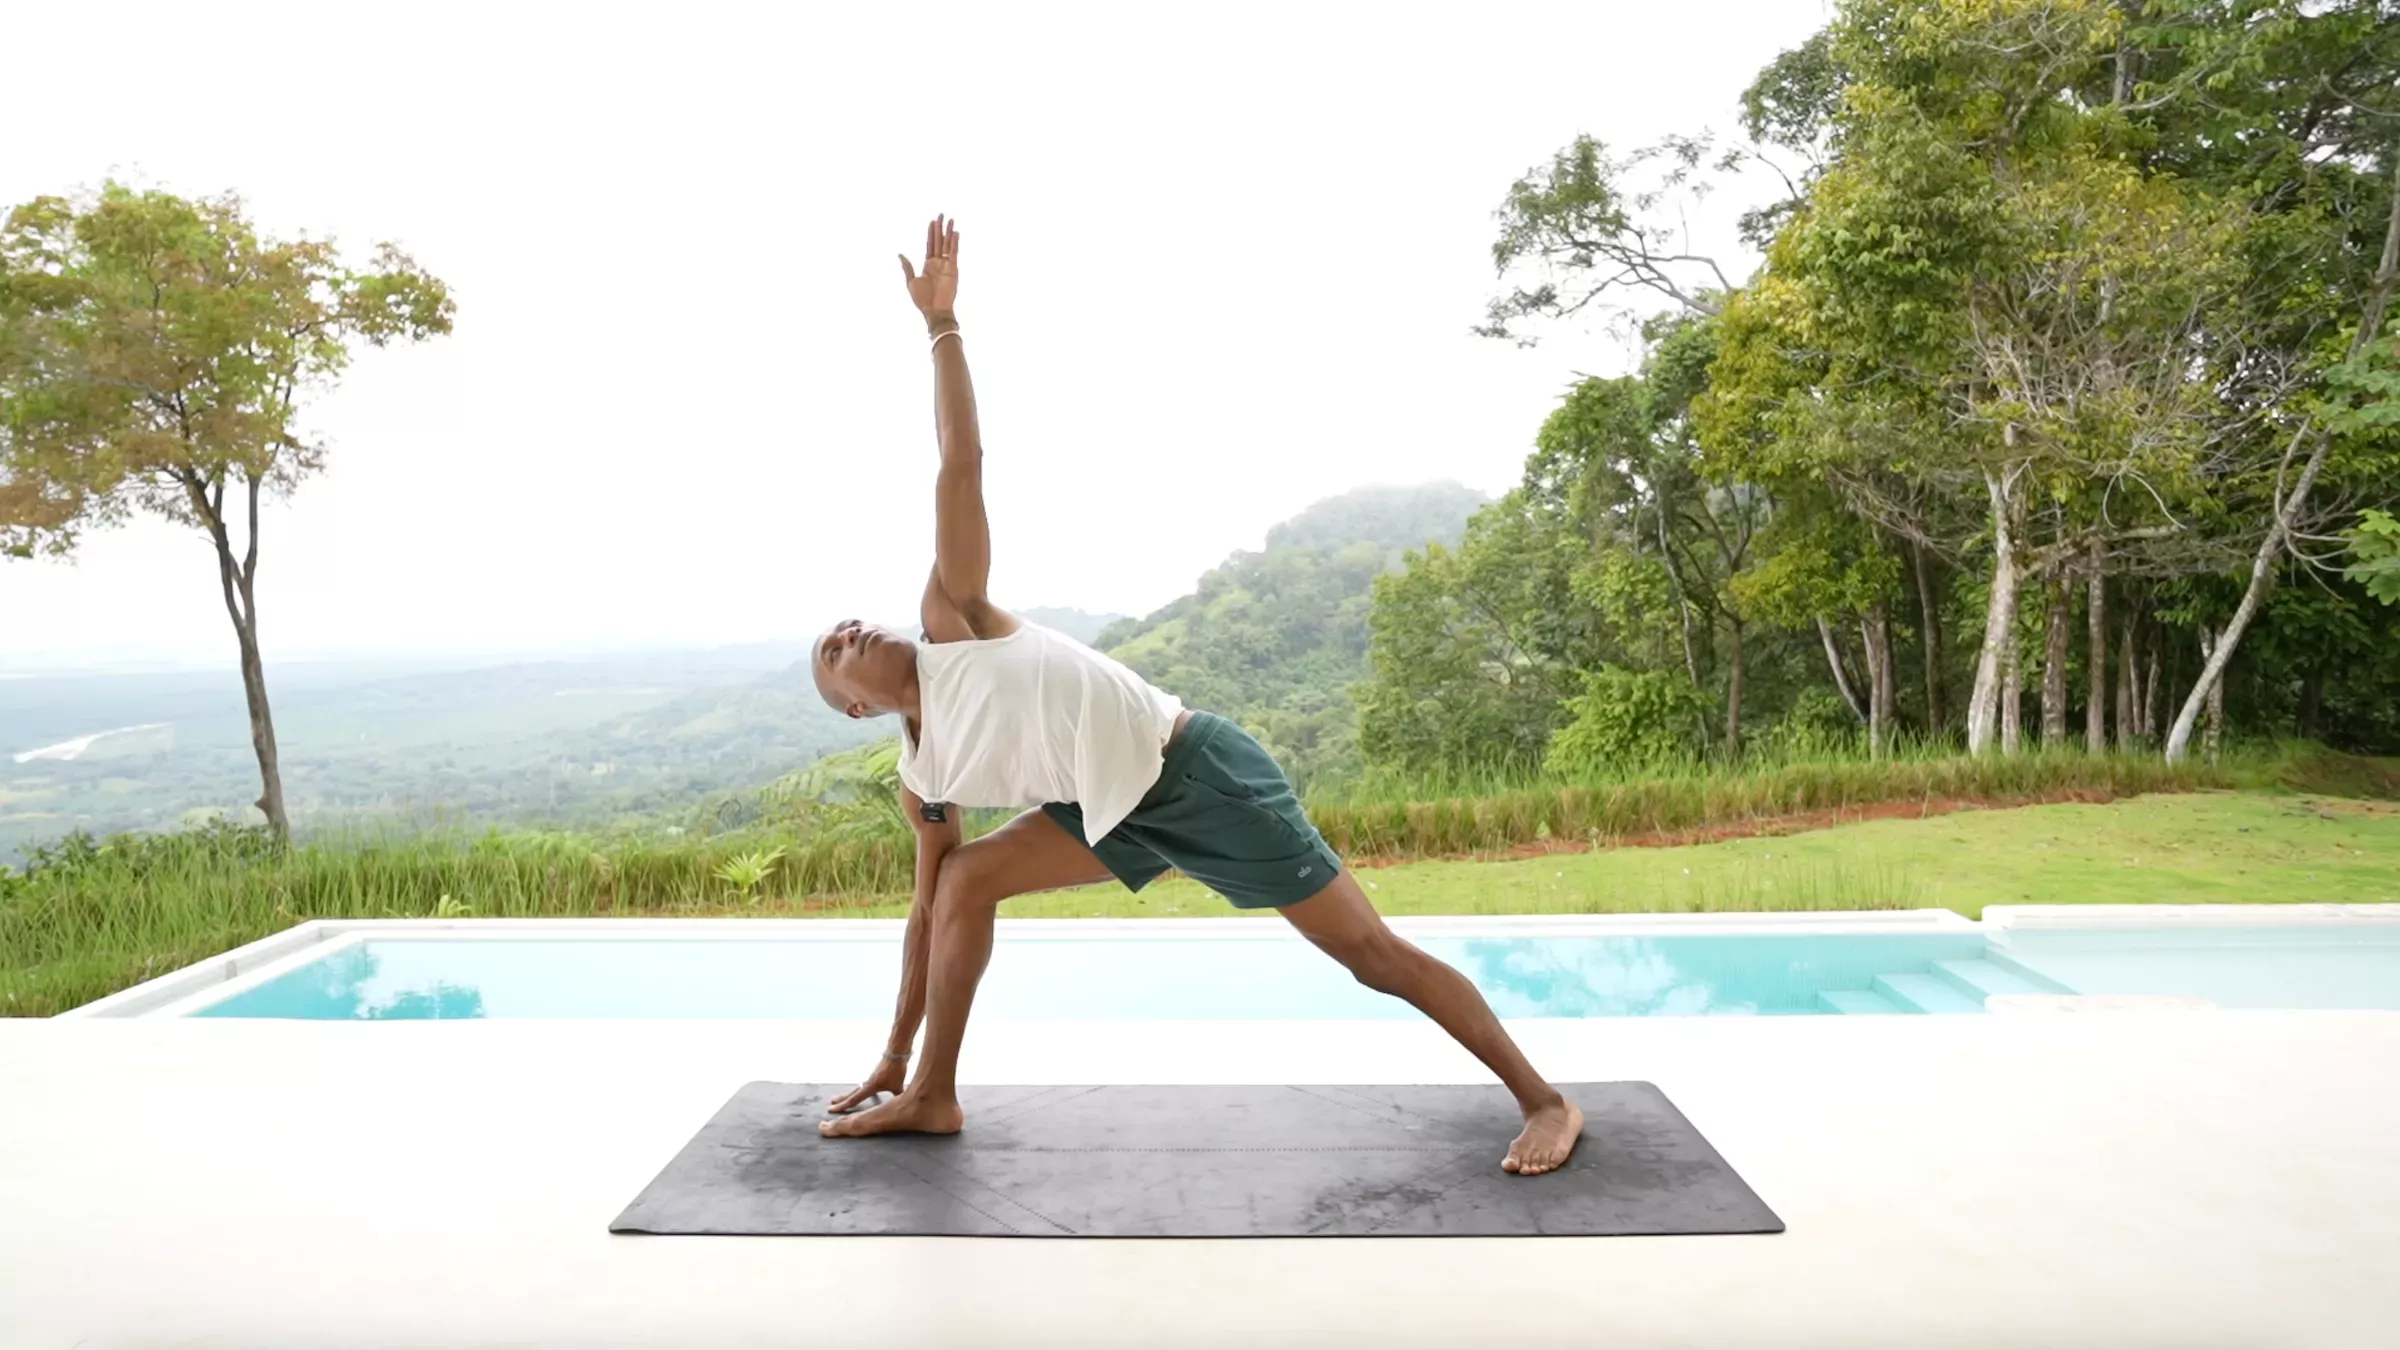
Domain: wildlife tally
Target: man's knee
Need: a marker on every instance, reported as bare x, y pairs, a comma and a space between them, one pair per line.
966, 879
1381, 962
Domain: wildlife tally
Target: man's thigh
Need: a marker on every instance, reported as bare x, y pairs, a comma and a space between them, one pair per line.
1030, 853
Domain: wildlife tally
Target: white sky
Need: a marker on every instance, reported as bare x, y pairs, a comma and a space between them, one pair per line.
1218, 262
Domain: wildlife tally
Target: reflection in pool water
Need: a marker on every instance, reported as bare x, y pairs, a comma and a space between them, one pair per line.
343, 987
1031, 977
1632, 977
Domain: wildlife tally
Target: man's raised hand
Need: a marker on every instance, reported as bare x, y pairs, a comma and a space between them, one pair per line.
934, 290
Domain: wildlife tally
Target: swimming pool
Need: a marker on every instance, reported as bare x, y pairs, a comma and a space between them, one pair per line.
1637, 966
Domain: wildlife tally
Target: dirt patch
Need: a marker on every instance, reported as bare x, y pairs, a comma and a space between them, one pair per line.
2333, 808
1920, 809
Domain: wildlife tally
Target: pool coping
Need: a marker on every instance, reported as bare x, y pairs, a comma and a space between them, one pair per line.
180, 992
2004, 918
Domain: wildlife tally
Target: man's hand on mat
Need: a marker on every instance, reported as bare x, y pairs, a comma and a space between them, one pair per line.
935, 289
890, 1075
908, 1113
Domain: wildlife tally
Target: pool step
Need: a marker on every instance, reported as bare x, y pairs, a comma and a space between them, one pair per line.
1925, 993
2042, 984
1856, 1001
1980, 980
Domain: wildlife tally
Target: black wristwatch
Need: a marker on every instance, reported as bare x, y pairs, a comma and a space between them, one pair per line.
934, 812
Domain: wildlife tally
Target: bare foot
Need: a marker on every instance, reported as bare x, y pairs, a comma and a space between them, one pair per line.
1550, 1135
907, 1113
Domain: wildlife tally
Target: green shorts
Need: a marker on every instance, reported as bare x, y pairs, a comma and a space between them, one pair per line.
1224, 815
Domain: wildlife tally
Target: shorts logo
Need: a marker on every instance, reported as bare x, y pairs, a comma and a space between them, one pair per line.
1306, 870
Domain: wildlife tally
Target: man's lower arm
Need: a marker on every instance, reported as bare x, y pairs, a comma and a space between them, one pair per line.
915, 945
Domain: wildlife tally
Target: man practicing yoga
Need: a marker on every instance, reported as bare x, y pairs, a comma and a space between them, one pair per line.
1123, 780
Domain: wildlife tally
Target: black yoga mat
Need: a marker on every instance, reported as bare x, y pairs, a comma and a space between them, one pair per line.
1199, 1162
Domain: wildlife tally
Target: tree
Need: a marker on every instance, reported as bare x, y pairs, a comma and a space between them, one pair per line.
1822, 567
1580, 230
154, 355
2322, 435
1473, 651
2065, 291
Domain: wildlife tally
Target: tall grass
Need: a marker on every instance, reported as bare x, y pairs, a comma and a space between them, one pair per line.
91, 917
1497, 815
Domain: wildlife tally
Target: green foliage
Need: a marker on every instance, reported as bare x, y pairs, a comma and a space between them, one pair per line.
1817, 725
2375, 544
745, 872
1473, 650
1628, 719
1820, 561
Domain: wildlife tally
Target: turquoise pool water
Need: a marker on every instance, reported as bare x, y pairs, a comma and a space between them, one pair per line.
1281, 978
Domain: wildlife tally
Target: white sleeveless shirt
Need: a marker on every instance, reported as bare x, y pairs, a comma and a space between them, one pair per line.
1035, 717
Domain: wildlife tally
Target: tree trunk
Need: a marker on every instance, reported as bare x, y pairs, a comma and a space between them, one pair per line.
2012, 696
1683, 608
1887, 691
2054, 665
2095, 707
1929, 634
1999, 621
2262, 563
2214, 736
1841, 675
2150, 686
2128, 730
2312, 703
1733, 692
1875, 631
241, 603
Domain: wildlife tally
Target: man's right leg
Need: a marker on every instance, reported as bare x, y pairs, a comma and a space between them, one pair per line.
1342, 924
1031, 853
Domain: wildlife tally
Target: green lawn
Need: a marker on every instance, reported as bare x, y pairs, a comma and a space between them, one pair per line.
2200, 847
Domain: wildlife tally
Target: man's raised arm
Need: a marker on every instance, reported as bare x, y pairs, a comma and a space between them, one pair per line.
962, 545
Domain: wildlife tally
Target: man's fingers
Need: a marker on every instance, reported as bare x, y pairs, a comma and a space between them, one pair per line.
907, 271
954, 241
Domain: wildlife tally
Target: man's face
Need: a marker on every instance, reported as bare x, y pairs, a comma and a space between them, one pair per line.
863, 669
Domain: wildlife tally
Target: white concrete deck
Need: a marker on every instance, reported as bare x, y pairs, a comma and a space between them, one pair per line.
2169, 1179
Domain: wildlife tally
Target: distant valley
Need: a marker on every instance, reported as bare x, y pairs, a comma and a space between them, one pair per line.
1275, 638
368, 745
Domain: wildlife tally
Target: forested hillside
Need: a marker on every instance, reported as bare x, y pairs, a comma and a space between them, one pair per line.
1276, 639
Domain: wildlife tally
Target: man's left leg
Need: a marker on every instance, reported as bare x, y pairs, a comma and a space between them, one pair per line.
1030, 853
1343, 925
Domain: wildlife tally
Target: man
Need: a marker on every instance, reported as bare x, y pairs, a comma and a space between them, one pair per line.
1122, 780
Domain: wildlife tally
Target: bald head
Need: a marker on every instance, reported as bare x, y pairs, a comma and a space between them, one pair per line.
864, 669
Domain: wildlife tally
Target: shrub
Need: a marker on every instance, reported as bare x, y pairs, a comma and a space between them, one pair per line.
1625, 718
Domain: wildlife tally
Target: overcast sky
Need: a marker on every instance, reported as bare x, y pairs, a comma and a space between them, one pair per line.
1218, 262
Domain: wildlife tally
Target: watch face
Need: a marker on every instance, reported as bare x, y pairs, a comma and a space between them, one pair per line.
934, 812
